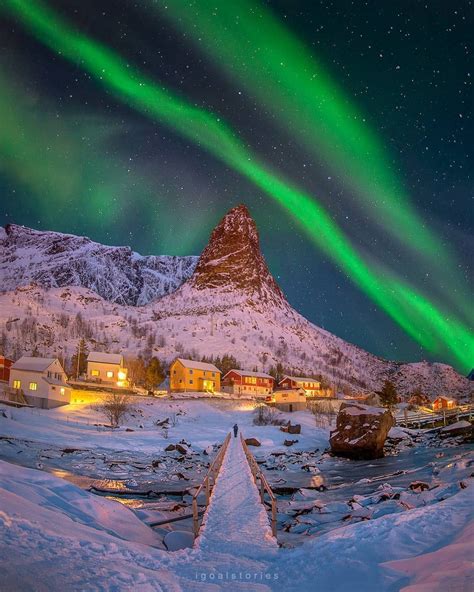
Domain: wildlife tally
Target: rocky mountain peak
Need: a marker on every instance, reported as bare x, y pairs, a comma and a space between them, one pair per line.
233, 261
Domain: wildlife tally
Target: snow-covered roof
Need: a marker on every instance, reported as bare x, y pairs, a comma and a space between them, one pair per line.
443, 397
197, 365
299, 379
248, 373
104, 358
33, 364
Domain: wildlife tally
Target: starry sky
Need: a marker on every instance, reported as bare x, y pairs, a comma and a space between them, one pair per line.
345, 127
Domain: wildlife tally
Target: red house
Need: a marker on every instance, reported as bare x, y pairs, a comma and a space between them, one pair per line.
243, 382
5, 365
443, 403
311, 386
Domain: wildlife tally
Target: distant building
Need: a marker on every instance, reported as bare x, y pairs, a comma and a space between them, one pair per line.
106, 368
441, 403
243, 382
310, 386
290, 400
40, 381
5, 365
191, 376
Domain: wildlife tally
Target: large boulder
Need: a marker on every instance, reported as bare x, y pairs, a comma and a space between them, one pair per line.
252, 442
360, 431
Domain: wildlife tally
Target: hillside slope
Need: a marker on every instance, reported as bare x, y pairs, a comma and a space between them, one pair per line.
118, 274
230, 304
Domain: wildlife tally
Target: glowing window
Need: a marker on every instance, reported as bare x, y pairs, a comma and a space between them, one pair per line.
95, 373
33, 386
110, 374
17, 384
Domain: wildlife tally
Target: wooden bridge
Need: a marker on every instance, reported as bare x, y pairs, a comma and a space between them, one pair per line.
235, 495
444, 417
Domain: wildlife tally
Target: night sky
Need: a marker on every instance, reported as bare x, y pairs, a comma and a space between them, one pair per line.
363, 107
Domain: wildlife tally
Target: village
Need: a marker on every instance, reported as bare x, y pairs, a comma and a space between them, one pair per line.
34, 381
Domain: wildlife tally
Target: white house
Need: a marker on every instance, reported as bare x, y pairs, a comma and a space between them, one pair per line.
106, 368
41, 381
290, 400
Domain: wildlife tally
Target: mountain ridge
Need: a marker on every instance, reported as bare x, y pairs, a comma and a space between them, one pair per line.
230, 303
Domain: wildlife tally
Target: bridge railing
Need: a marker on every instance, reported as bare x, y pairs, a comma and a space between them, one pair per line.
262, 485
208, 483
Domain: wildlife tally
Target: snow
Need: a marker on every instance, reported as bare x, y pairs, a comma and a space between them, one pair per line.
57, 536
449, 568
236, 521
456, 426
363, 410
33, 364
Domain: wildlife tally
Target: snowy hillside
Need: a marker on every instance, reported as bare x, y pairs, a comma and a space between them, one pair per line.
231, 304
53, 259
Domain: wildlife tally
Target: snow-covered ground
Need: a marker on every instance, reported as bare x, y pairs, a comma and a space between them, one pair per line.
369, 530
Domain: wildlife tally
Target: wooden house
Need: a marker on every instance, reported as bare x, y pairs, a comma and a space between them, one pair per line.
244, 382
191, 376
5, 365
310, 386
41, 382
106, 368
290, 400
441, 403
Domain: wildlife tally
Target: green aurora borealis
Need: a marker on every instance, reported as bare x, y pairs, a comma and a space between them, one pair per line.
327, 123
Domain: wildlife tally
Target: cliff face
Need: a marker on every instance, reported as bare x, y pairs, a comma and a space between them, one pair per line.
53, 259
232, 260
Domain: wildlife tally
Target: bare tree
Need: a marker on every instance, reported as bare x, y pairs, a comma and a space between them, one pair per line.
116, 408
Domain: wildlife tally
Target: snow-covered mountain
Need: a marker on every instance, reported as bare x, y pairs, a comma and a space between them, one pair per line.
230, 304
118, 274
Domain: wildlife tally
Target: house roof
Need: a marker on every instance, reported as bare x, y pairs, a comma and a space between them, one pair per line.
197, 365
104, 358
248, 373
33, 364
445, 398
55, 381
299, 379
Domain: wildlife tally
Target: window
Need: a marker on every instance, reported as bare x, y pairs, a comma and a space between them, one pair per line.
17, 384
190, 381
33, 386
53, 388
213, 374
63, 391
190, 371
95, 373
174, 371
49, 374
110, 374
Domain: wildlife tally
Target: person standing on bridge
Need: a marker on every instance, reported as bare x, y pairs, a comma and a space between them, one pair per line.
236, 429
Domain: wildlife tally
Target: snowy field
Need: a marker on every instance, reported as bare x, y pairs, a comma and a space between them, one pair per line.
344, 525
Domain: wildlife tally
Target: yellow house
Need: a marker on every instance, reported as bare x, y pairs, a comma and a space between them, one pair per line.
191, 376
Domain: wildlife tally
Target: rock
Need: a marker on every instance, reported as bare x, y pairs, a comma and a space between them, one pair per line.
284, 428
155, 463
208, 450
289, 442
170, 448
294, 429
181, 449
460, 428
129, 430
252, 442
178, 539
361, 431
419, 486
